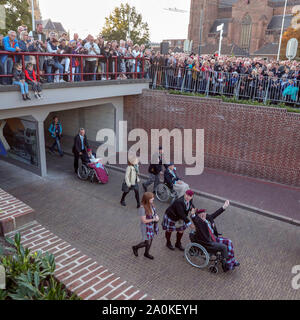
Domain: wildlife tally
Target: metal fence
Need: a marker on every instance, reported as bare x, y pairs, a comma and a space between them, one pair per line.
267, 90
74, 66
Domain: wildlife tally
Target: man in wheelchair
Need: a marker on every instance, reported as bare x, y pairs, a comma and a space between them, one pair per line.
207, 235
174, 183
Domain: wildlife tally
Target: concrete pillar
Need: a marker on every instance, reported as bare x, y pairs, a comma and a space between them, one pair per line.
2, 138
40, 118
121, 146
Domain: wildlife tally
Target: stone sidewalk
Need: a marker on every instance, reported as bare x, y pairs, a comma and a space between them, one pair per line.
90, 218
263, 195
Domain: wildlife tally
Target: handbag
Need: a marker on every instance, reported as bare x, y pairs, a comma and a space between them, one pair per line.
125, 187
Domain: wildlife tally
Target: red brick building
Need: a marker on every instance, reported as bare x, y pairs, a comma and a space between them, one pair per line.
251, 25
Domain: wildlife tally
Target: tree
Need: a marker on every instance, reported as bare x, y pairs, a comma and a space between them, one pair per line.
116, 25
17, 13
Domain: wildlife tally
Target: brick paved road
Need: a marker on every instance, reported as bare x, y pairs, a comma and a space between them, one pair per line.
90, 217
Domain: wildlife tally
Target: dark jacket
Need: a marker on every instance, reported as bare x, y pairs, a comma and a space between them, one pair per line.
18, 75
170, 179
202, 233
77, 144
178, 211
155, 168
35, 35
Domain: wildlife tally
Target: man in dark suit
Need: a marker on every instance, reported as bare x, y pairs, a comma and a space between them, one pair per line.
176, 218
80, 148
154, 170
207, 235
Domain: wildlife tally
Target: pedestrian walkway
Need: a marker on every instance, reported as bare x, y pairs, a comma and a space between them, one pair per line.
268, 196
90, 218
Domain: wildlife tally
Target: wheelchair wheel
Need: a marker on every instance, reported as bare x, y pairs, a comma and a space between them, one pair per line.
162, 193
83, 172
196, 255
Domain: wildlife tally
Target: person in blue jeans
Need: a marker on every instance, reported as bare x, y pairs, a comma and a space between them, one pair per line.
9, 43
52, 62
56, 130
19, 80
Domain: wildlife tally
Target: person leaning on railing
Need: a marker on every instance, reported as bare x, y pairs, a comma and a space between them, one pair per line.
10, 44
52, 62
90, 63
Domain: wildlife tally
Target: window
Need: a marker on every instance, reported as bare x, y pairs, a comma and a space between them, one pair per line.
246, 32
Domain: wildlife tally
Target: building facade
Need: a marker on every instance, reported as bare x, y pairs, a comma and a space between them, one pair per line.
37, 11
252, 25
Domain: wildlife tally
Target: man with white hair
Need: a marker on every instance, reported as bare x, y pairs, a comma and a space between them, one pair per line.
90, 63
10, 43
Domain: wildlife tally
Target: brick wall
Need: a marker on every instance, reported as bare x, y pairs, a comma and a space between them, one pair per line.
78, 272
13, 212
259, 142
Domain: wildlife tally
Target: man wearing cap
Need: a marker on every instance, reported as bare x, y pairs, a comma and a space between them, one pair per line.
176, 218
174, 182
208, 235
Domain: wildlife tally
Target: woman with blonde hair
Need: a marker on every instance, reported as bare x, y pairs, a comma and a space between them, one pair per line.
131, 181
149, 225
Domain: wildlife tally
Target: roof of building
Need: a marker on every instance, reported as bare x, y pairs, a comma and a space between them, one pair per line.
226, 50
268, 49
49, 25
276, 22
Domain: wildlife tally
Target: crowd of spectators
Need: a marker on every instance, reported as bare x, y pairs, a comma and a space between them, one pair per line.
115, 62
242, 77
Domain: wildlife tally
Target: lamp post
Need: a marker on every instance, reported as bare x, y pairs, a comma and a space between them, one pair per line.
282, 27
32, 13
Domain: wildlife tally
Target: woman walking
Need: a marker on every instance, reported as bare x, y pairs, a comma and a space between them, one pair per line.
131, 181
149, 225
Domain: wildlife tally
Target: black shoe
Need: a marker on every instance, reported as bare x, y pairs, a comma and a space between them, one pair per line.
179, 246
169, 245
27, 97
24, 97
147, 255
135, 251
236, 264
61, 154
138, 205
145, 188
123, 203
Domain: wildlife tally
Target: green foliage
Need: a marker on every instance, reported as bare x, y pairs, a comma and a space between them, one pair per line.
234, 100
30, 276
117, 25
17, 13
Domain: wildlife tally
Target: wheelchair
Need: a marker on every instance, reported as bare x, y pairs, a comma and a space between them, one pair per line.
165, 194
199, 257
85, 173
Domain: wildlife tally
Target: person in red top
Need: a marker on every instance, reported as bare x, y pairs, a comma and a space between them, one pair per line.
30, 77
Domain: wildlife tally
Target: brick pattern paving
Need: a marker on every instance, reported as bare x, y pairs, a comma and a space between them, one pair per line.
11, 209
254, 141
78, 272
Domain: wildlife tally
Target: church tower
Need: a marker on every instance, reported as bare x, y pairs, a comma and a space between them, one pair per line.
203, 13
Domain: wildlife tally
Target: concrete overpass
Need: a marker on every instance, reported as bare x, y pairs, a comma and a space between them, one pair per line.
93, 105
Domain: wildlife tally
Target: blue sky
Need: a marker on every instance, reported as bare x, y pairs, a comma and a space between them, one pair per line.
88, 16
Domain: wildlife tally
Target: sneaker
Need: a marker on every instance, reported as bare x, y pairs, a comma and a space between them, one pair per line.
62, 80
123, 203
36, 95
40, 96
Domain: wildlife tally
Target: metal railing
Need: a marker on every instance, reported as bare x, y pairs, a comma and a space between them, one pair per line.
267, 90
112, 68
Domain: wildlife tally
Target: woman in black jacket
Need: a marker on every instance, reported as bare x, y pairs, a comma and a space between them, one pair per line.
208, 235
